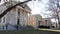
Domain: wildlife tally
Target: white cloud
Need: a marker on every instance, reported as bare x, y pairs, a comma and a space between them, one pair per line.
37, 7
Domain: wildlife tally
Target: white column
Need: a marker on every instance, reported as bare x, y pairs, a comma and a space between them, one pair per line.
16, 14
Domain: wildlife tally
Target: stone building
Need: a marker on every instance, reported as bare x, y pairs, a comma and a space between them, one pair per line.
46, 22
35, 20
18, 15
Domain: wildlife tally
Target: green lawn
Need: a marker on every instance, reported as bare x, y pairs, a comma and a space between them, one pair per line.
20, 32
39, 31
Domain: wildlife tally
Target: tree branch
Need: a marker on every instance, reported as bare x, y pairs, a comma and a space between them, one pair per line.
8, 9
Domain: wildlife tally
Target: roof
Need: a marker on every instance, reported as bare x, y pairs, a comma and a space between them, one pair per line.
23, 6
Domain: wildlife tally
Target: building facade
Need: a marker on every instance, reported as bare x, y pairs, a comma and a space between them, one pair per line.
35, 20
46, 22
18, 15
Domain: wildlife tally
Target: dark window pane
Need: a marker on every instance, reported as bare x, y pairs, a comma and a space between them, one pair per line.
4, 20
45, 20
0, 20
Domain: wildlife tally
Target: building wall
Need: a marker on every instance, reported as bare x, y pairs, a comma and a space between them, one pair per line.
34, 20
31, 21
2, 8
23, 17
38, 20
46, 22
2, 20
12, 16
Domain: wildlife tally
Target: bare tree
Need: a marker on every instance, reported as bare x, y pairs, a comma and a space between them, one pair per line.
8, 9
54, 8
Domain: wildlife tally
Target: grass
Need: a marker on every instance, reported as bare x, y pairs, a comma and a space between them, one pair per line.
39, 31
49, 30
19, 32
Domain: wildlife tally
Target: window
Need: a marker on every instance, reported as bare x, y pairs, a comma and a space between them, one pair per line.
18, 16
18, 12
0, 20
45, 20
39, 22
4, 20
3, 27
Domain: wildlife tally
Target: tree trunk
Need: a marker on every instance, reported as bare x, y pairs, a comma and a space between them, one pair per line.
58, 20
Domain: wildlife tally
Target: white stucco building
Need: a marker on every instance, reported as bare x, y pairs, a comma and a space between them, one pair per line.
19, 12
